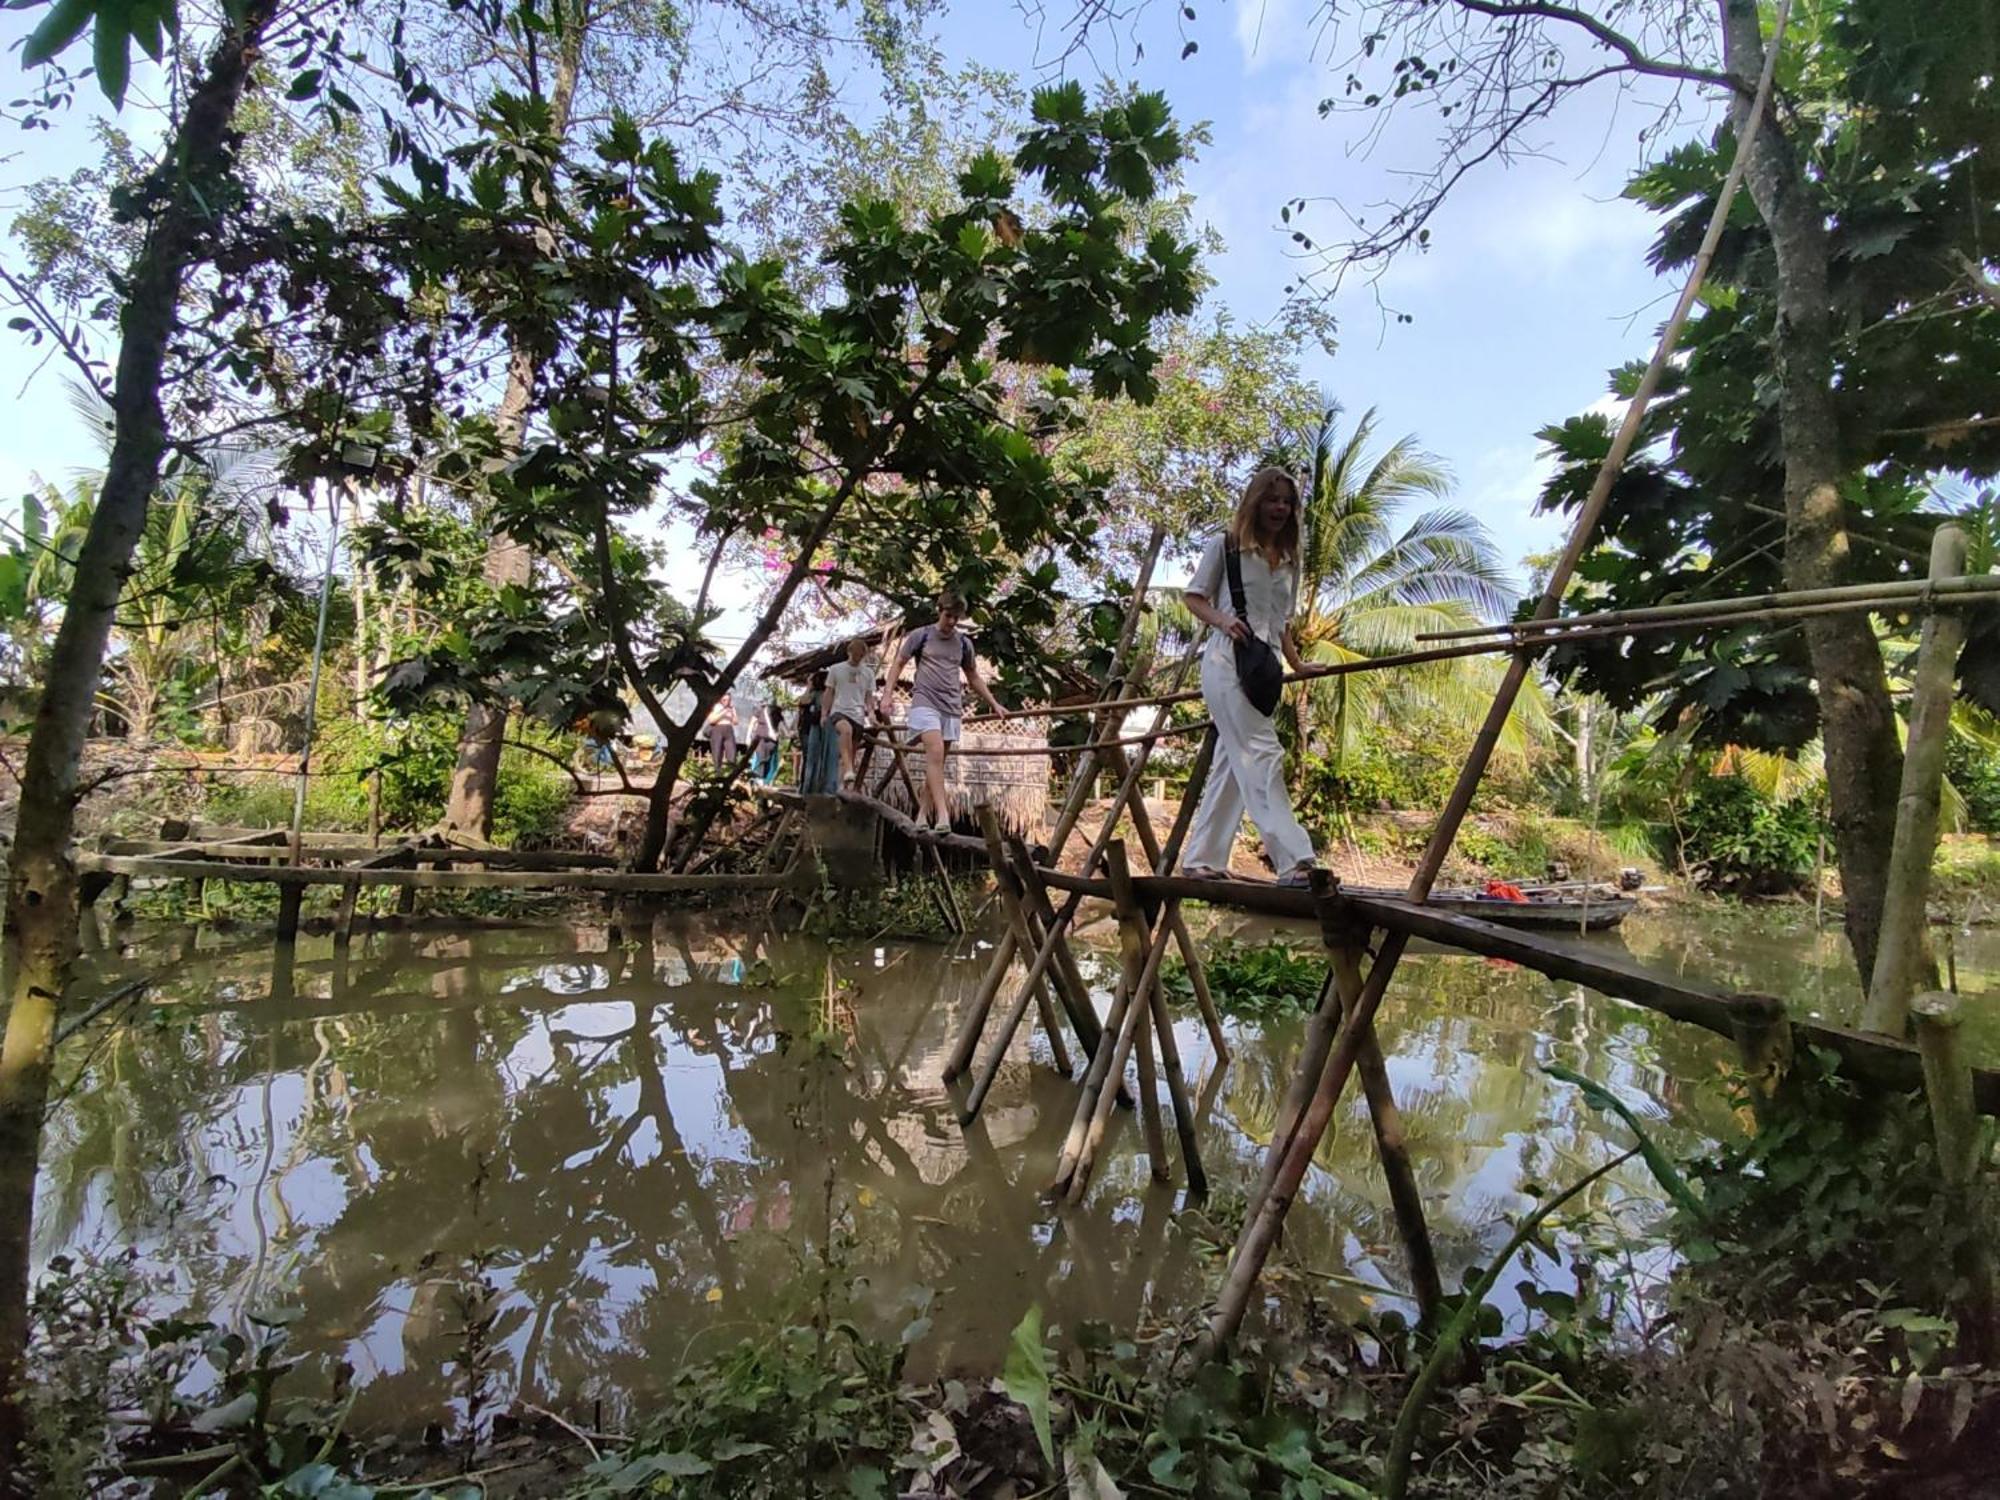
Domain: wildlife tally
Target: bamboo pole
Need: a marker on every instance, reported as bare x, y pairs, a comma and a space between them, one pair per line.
1134, 940
1961, 1141
1139, 1004
1012, 904
967, 1041
1963, 593
1855, 596
1117, 689
1009, 1024
1899, 952
1070, 986
1162, 861
1260, 1232
1392, 1147
1042, 917
1046, 1013
1132, 920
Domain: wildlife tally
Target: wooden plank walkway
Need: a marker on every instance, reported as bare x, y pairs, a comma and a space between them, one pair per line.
616, 882
1883, 1061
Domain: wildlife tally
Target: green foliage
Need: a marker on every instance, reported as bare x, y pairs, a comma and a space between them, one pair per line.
801, 1411
1973, 768
905, 907
1252, 981
640, 309
415, 757
1738, 841
1025, 1376
1836, 1189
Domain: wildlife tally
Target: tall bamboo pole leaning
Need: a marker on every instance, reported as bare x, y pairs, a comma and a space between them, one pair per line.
1899, 951
1018, 923
1260, 1232
960, 1057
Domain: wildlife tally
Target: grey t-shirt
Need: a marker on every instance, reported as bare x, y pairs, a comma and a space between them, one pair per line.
941, 663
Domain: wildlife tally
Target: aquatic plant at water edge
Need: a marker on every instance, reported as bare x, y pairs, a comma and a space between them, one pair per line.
1254, 981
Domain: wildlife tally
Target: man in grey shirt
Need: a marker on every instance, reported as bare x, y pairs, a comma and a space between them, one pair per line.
946, 662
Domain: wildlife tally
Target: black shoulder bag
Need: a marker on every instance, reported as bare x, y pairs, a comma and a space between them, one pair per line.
1257, 665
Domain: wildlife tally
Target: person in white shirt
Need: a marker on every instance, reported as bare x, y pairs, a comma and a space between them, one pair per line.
1248, 772
844, 703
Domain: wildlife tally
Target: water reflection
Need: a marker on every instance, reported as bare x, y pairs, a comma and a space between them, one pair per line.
647, 1138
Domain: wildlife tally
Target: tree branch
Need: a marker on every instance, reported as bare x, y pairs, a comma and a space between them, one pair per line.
1636, 60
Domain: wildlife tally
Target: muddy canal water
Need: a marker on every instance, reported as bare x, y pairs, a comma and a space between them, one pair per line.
645, 1144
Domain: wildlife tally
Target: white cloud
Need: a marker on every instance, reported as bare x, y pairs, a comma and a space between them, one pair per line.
1500, 487
1266, 30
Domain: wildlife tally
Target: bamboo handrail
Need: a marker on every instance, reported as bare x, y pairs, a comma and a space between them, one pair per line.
1855, 595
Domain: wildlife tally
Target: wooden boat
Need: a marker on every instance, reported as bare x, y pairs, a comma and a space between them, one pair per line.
1542, 911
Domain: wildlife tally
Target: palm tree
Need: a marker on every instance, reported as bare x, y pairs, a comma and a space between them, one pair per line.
1368, 588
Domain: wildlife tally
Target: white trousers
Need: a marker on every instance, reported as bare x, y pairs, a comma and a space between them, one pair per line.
1247, 775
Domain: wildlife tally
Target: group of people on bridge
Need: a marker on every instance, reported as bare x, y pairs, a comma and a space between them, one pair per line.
1244, 590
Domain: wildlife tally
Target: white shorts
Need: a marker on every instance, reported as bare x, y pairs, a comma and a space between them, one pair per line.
926, 720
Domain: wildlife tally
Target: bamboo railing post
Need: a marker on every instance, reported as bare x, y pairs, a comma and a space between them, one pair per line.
1163, 859
1899, 952
1961, 1141
1043, 918
1132, 918
1260, 1231
1948, 1087
1392, 1146
1017, 923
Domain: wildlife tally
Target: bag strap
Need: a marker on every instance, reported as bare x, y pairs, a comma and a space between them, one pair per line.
1232, 562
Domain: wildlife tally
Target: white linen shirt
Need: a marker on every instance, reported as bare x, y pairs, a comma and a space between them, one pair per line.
1271, 595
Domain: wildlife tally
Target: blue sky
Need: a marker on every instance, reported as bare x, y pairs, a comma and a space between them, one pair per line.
1535, 285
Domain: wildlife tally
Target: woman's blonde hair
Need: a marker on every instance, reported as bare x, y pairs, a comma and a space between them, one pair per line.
1243, 525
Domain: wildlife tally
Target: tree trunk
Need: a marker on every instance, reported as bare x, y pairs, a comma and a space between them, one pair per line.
658, 806
1864, 763
41, 919
476, 777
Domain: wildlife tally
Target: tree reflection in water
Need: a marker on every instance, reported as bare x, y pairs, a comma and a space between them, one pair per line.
645, 1140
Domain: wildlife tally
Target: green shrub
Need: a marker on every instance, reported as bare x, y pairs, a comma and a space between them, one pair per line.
530, 802
1254, 981
1975, 772
1740, 842
415, 758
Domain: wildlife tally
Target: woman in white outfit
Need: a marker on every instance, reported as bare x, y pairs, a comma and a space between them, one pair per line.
1248, 773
